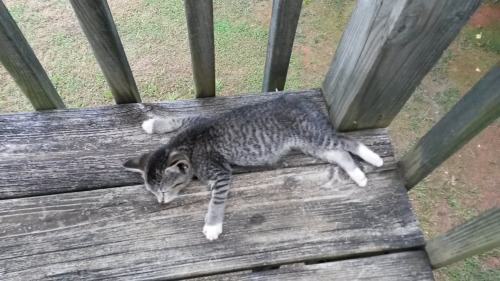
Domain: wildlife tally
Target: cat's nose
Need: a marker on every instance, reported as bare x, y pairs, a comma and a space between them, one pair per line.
160, 197
168, 199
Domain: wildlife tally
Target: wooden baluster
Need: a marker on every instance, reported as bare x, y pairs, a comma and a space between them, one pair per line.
474, 237
18, 58
284, 21
200, 21
99, 28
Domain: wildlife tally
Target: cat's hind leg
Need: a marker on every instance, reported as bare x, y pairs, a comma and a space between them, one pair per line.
361, 150
344, 160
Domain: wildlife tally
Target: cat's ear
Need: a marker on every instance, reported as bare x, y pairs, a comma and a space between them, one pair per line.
178, 162
137, 164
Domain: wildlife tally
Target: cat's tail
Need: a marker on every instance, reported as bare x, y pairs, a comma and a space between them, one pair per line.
356, 147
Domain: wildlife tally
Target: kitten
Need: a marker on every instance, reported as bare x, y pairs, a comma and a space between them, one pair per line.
253, 135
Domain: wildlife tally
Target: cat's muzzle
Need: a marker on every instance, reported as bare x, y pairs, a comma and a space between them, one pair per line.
166, 198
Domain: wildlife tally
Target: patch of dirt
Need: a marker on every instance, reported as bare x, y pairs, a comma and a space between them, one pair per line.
443, 214
490, 262
466, 72
262, 12
477, 166
485, 15
306, 55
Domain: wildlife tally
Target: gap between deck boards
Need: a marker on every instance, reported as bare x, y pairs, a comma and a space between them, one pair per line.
332, 260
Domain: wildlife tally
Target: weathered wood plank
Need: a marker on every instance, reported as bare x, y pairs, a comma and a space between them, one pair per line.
386, 50
200, 21
408, 266
18, 58
81, 149
474, 237
309, 213
476, 110
99, 28
284, 21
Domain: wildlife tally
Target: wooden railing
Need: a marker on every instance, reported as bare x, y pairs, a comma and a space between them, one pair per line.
387, 49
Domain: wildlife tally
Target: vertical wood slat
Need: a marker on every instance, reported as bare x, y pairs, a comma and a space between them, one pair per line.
476, 110
97, 23
284, 21
200, 22
476, 236
20, 61
386, 50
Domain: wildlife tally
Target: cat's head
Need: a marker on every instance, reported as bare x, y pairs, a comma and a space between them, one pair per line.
165, 172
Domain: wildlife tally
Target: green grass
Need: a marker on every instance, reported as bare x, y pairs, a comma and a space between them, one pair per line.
470, 270
447, 99
154, 35
240, 52
452, 202
490, 37
441, 66
17, 12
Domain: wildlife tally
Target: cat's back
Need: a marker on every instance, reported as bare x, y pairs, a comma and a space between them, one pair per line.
285, 108
257, 134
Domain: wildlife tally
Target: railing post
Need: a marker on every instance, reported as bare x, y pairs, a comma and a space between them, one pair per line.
18, 58
284, 21
99, 28
386, 50
476, 110
476, 236
200, 21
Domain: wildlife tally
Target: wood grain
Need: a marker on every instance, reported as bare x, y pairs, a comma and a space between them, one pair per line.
474, 237
273, 217
200, 22
81, 149
99, 28
408, 266
284, 20
387, 48
476, 110
18, 58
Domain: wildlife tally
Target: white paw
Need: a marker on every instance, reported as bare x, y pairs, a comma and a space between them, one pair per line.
212, 231
147, 125
370, 156
358, 177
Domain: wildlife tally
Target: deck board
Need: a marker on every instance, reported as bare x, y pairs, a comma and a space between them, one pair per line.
82, 149
408, 266
273, 217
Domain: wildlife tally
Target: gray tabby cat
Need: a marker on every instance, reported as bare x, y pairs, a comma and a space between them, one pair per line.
253, 135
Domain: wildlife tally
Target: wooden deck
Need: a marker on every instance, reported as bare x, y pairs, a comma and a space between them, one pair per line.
69, 211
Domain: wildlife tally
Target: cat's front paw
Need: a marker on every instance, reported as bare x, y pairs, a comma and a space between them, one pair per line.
161, 125
147, 126
212, 231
